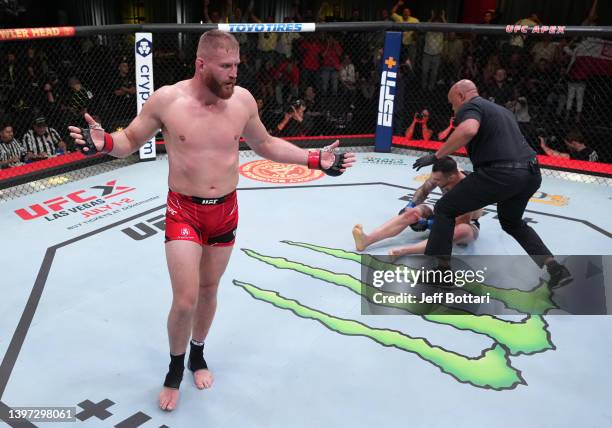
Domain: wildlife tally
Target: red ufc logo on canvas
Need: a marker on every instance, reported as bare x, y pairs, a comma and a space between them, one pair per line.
109, 190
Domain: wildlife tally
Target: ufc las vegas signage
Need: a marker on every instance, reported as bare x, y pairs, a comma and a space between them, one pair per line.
83, 203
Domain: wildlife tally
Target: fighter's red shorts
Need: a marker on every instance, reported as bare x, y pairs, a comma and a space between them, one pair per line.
207, 221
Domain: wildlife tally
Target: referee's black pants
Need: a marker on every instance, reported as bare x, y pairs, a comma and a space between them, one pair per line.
510, 188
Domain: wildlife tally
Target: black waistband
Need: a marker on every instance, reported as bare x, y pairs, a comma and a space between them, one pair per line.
525, 164
209, 201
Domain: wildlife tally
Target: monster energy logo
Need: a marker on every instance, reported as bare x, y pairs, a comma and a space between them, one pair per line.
492, 369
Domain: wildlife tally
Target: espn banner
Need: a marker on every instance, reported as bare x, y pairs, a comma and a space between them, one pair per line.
386, 99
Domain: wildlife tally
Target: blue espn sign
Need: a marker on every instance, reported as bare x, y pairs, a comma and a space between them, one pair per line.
388, 89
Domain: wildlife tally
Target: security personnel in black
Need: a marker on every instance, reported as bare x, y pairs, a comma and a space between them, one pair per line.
506, 172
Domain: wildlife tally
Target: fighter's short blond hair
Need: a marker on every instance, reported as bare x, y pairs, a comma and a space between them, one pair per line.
215, 39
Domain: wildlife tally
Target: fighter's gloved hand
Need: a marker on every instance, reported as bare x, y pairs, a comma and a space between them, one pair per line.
410, 205
92, 140
424, 161
422, 225
330, 163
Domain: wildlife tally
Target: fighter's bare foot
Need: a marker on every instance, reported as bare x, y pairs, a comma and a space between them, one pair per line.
203, 379
359, 237
168, 399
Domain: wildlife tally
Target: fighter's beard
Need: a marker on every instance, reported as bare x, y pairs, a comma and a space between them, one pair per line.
220, 90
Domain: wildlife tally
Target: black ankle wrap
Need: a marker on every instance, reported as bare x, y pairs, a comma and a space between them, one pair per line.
196, 357
175, 371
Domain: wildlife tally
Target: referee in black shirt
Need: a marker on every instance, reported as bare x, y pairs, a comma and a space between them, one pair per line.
506, 172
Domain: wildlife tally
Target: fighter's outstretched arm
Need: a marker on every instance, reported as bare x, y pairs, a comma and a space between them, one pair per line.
126, 141
279, 150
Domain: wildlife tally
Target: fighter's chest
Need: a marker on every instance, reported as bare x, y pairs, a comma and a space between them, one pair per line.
201, 126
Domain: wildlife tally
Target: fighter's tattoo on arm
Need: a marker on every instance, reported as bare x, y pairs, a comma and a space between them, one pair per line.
422, 192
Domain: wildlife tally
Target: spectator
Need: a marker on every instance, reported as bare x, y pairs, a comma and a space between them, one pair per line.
336, 15
577, 75
41, 141
516, 68
35, 73
500, 91
488, 74
432, 52
558, 93
11, 78
311, 102
383, 15
11, 152
518, 41
247, 76
311, 49
79, 97
484, 44
284, 45
287, 77
332, 52
540, 83
409, 42
420, 118
469, 70
125, 92
291, 123
246, 41
519, 106
451, 58
544, 49
578, 150
214, 17
265, 79
266, 44
52, 91
348, 80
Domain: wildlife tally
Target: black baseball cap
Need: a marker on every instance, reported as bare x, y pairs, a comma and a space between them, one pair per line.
40, 121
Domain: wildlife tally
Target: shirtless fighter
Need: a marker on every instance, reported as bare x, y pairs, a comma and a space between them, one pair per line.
419, 216
202, 120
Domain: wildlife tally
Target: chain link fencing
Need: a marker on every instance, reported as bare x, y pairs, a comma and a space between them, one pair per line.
313, 84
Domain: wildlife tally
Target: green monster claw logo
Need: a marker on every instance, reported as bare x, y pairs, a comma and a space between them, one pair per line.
492, 369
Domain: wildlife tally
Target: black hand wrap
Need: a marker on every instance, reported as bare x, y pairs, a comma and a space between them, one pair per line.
334, 170
314, 162
91, 147
89, 144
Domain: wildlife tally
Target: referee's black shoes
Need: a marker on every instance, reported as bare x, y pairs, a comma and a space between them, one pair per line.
559, 275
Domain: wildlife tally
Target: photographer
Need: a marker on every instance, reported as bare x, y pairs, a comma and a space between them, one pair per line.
443, 135
420, 118
292, 122
574, 141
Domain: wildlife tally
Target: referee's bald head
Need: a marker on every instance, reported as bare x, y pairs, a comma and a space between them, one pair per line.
461, 92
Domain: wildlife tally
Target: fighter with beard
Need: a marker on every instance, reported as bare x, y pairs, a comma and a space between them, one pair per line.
202, 120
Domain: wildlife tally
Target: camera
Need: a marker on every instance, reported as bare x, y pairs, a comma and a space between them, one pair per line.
541, 133
296, 104
419, 115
